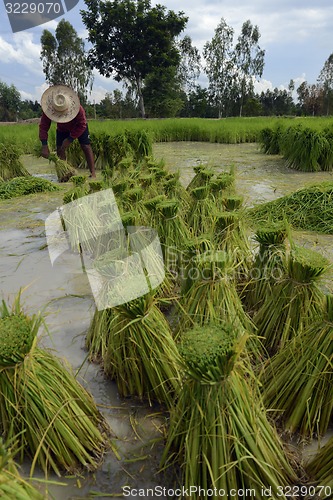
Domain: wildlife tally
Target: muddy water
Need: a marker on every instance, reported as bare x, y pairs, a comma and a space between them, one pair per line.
63, 295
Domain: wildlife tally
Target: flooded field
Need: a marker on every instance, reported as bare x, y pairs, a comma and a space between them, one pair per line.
63, 295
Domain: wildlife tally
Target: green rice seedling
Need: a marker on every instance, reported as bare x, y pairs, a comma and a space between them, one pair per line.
297, 382
320, 470
97, 338
193, 248
12, 485
173, 232
302, 148
233, 202
78, 180
21, 186
326, 155
230, 236
201, 211
59, 429
64, 170
295, 300
75, 155
142, 356
269, 264
201, 178
10, 163
219, 433
310, 208
212, 296
95, 186
269, 140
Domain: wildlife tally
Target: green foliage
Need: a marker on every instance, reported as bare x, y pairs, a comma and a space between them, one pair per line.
64, 59
20, 186
10, 100
146, 33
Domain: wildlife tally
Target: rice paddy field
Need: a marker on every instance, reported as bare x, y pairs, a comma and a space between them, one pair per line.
153, 432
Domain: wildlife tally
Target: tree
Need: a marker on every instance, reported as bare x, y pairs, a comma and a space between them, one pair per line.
10, 100
64, 59
131, 39
326, 80
310, 98
249, 60
190, 64
219, 65
163, 94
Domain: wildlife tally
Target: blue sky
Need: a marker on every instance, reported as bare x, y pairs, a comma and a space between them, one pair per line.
296, 34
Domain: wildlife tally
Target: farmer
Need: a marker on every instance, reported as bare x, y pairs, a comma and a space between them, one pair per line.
62, 105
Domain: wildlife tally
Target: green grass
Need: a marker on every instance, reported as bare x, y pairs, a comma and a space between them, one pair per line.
227, 130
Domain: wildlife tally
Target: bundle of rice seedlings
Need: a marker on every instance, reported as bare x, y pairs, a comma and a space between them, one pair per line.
269, 140
309, 208
78, 180
223, 182
230, 236
142, 356
131, 198
21, 186
212, 296
63, 169
269, 263
320, 469
193, 247
298, 380
233, 202
59, 429
201, 211
12, 485
201, 178
326, 155
219, 433
95, 186
10, 164
302, 148
173, 232
96, 341
295, 300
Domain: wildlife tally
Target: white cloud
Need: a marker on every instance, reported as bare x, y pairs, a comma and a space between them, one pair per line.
22, 51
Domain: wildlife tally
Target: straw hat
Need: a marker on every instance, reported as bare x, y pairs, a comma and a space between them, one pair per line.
60, 103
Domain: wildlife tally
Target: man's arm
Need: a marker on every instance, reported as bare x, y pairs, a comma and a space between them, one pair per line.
44, 127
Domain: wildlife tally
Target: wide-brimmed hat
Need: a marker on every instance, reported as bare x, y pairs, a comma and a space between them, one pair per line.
60, 103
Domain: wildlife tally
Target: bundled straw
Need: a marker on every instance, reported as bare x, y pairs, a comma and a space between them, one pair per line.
298, 380
53, 418
64, 170
218, 431
12, 485
295, 300
201, 211
269, 264
141, 355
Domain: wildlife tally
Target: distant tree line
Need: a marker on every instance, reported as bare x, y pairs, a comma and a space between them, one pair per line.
140, 47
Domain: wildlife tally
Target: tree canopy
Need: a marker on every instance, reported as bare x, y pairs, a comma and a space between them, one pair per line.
131, 39
64, 59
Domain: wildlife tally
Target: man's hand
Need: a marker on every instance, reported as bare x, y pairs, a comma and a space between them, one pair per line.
45, 151
62, 152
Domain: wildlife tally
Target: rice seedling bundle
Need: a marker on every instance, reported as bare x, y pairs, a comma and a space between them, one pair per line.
219, 433
12, 485
173, 232
212, 295
201, 211
326, 155
295, 300
21, 186
201, 178
10, 163
320, 470
269, 264
302, 148
230, 235
298, 380
193, 247
64, 170
44, 411
269, 139
309, 208
142, 356
96, 341
75, 155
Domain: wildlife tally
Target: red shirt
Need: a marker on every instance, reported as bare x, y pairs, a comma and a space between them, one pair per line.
75, 127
